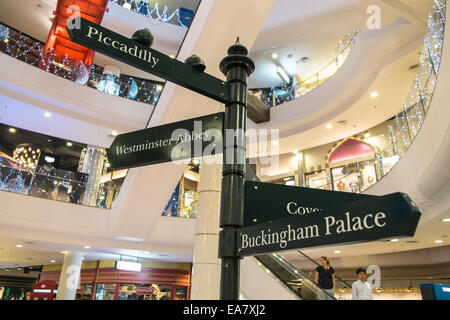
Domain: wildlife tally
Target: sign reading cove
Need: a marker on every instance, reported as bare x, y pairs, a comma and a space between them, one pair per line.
371, 219
290, 201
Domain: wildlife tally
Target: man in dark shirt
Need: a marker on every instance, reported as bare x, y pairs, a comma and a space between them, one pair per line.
325, 280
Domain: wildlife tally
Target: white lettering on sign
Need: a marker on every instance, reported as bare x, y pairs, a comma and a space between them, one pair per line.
144, 55
332, 226
294, 208
350, 224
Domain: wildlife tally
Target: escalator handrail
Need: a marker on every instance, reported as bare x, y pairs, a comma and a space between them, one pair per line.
285, 284
315, 262
294, 271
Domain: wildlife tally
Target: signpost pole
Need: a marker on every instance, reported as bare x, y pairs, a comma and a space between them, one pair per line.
236, 66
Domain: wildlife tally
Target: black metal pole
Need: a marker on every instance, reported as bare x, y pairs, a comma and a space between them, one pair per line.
236, 66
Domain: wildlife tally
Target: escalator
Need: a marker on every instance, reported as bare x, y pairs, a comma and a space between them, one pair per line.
299, 283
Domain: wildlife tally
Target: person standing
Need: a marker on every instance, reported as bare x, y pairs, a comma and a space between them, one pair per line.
325, 279
361, 289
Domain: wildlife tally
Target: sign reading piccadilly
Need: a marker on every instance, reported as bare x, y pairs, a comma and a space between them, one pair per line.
371, 219
290, 201
116, 46
171, 142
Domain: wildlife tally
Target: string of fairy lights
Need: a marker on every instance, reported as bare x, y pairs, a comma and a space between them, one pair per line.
183, 17
407, 123
274, 96
30, 51
401, 132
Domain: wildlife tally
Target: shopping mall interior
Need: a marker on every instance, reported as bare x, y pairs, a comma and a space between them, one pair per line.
348, 96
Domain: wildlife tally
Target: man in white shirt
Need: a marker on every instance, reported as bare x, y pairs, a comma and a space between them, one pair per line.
361, 289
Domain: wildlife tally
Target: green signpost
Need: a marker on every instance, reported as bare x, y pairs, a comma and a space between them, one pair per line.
255, 217
121, 48
265, 202
191, 138
365, 220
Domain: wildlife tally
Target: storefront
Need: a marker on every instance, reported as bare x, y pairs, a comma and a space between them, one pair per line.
99, 280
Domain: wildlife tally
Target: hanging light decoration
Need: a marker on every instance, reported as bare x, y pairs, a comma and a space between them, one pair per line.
27, 155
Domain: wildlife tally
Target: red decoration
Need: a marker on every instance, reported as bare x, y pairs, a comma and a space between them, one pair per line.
348, 149
58, 44
43, 290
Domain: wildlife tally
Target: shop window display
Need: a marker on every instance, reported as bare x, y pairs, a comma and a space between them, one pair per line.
317, 180
368, 174
84, 293
105, 291
288, 181
181, 293
346, 178
144, 292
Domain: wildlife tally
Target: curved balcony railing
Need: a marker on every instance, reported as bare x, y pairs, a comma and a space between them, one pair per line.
180, 16
278, 95
59, 185
31, 51
405, 126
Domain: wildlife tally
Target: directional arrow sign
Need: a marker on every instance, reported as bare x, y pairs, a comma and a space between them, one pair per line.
393, 215
116, 46
265, 202
175, 141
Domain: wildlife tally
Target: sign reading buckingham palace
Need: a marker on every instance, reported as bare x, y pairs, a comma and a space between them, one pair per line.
370, 219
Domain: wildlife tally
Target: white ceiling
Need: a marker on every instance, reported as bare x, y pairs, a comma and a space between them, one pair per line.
42, 253
313, 28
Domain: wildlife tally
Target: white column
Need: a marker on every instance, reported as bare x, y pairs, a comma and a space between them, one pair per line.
206, 265
70, 276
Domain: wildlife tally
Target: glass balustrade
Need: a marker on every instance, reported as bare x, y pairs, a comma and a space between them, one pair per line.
292, 278
31, 51
278, 95
403, 127
59, 185
159, 11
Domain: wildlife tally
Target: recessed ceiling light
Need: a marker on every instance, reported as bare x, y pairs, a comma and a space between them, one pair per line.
87, 247
394, 240
19, 245
52, 261
47, 114
446, 220
438, 241
366, 135
274, 55
329, 126
337, 251
12, 130
69, 144
275, 143
114, 133
374, 94
295, 152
